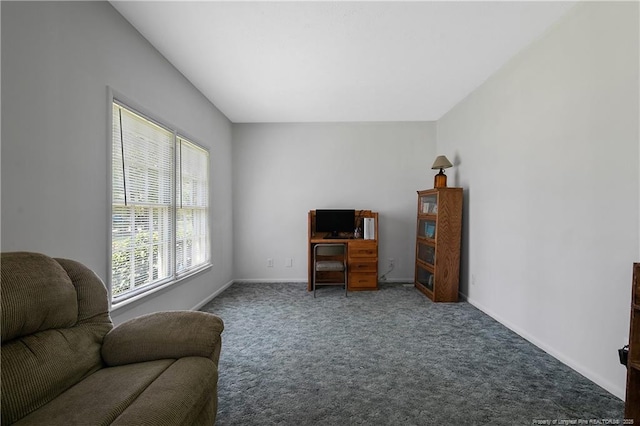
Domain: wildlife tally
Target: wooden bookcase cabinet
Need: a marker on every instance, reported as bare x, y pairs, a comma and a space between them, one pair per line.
362, 255
439, 230
632, 399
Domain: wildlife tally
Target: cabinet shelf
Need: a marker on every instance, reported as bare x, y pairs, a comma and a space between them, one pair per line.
426, 240
439, 223
427, 216
427, 266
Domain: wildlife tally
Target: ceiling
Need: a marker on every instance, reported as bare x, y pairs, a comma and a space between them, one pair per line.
335, 61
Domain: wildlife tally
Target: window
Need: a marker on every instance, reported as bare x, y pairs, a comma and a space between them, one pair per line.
160, 205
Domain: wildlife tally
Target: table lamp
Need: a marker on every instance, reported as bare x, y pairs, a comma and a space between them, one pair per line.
440, 180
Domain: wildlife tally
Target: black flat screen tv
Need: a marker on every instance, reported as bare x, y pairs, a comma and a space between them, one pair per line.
335, 221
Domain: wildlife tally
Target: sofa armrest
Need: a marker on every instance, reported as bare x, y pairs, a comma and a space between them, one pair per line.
162, 335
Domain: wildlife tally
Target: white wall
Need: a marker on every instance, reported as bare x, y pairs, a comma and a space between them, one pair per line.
547, 151
281, 171
58, 59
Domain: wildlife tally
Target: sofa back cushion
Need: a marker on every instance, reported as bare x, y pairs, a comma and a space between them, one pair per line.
37, 295
54, 318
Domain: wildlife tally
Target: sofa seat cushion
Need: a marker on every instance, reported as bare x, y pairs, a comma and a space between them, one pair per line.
37, 368
158, 392
177, 397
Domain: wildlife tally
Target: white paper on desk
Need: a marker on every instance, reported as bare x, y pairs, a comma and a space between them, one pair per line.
369, 228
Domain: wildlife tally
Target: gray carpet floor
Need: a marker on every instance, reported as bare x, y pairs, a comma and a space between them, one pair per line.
390, 357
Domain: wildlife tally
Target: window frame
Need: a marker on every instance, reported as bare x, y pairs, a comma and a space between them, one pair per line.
175, 277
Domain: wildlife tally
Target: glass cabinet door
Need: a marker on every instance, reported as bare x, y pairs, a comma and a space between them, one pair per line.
426, 253
427, 228
428, 204
424, 277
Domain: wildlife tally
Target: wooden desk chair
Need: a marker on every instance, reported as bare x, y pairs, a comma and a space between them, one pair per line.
329, 263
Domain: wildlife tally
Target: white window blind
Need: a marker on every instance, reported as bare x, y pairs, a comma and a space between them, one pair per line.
192, 240
159, 228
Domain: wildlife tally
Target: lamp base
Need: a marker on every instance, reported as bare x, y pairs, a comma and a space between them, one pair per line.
440, 180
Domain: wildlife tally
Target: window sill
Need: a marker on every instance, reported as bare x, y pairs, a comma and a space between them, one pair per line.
152, 291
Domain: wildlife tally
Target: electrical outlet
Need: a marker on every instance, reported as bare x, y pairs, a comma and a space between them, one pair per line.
288, 262
392, 262
473, 279
269, 263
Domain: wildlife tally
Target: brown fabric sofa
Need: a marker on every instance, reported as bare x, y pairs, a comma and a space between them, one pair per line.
63, 362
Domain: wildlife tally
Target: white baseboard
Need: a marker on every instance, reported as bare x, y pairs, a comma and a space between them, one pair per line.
253, 280
270, 280
212, 296
600, 381
275, 280
398, 280
304, 280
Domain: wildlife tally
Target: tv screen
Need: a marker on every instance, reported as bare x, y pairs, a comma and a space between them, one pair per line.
335, 221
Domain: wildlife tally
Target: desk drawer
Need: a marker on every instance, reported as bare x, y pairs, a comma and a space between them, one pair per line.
363, 249
358, 281
363, 265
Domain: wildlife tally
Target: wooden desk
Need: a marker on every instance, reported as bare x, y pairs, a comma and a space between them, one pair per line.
362, 255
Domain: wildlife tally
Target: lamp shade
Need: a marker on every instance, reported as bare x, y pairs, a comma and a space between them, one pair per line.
441, 163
